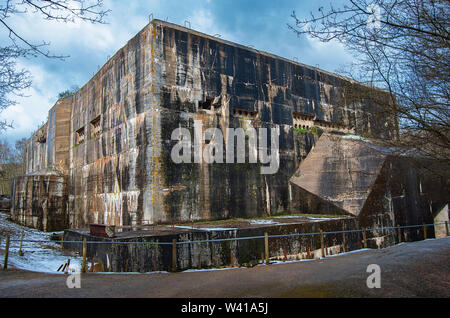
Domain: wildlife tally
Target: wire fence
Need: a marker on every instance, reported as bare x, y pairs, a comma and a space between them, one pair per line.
239, 238
174, 243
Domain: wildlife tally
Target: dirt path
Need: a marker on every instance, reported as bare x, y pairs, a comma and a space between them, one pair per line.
419, 269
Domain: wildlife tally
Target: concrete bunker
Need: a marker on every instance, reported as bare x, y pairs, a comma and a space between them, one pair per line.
111, 142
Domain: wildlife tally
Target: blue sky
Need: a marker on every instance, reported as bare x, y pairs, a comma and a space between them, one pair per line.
259, 23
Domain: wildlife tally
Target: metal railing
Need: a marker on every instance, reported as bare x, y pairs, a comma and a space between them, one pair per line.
266, 237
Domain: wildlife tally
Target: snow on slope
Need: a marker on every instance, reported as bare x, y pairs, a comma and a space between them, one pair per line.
45, 257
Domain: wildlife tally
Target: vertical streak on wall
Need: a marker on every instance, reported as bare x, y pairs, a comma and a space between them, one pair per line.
150, 214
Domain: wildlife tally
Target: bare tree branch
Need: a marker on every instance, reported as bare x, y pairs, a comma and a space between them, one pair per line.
12, 80
407, 54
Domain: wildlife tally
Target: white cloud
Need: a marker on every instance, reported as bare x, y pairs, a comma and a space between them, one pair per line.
204, 21
327, 55
32, 109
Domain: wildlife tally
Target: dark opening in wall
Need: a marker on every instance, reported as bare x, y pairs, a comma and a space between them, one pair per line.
41, 139
303, 116
79, 136
95, 128
205, 104
245, 113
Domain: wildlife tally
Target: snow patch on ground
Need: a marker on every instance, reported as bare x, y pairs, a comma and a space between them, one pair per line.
211, 269
265, 222
350, 252
44, 257
320, 219
287, 217
132, 273
257, 222
204, 228
355, 137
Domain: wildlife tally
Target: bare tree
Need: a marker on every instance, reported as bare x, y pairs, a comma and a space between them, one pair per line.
401, 46
11, 163
12, 80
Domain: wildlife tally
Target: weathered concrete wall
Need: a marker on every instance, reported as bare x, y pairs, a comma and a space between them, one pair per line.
145, 258
341, 171
36, 150
357, 177
166, 77
113, 137
40, 201
441, 216
406, 192
48, 148
40, 197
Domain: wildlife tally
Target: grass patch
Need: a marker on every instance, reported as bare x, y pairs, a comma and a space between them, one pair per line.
313, 130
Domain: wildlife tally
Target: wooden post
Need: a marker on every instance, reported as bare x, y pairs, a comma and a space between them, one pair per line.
262, 257
266, 247
308, 252
434, 229
446, 227
5, 263
83, 263
20, 246
322, 243
154, 264
126, 264
174, 255
285, 254
232, 258
399, 233
343, 242
364, 237
68, 265
424, 232
199, 264
62, 241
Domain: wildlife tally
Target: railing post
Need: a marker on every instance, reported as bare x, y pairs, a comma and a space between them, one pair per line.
399, 233
364, 237
20, 246
231, 258
424, 232
343, 239
446, 227
174, 255
322, 243
5, 263
266, 247
83, 263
